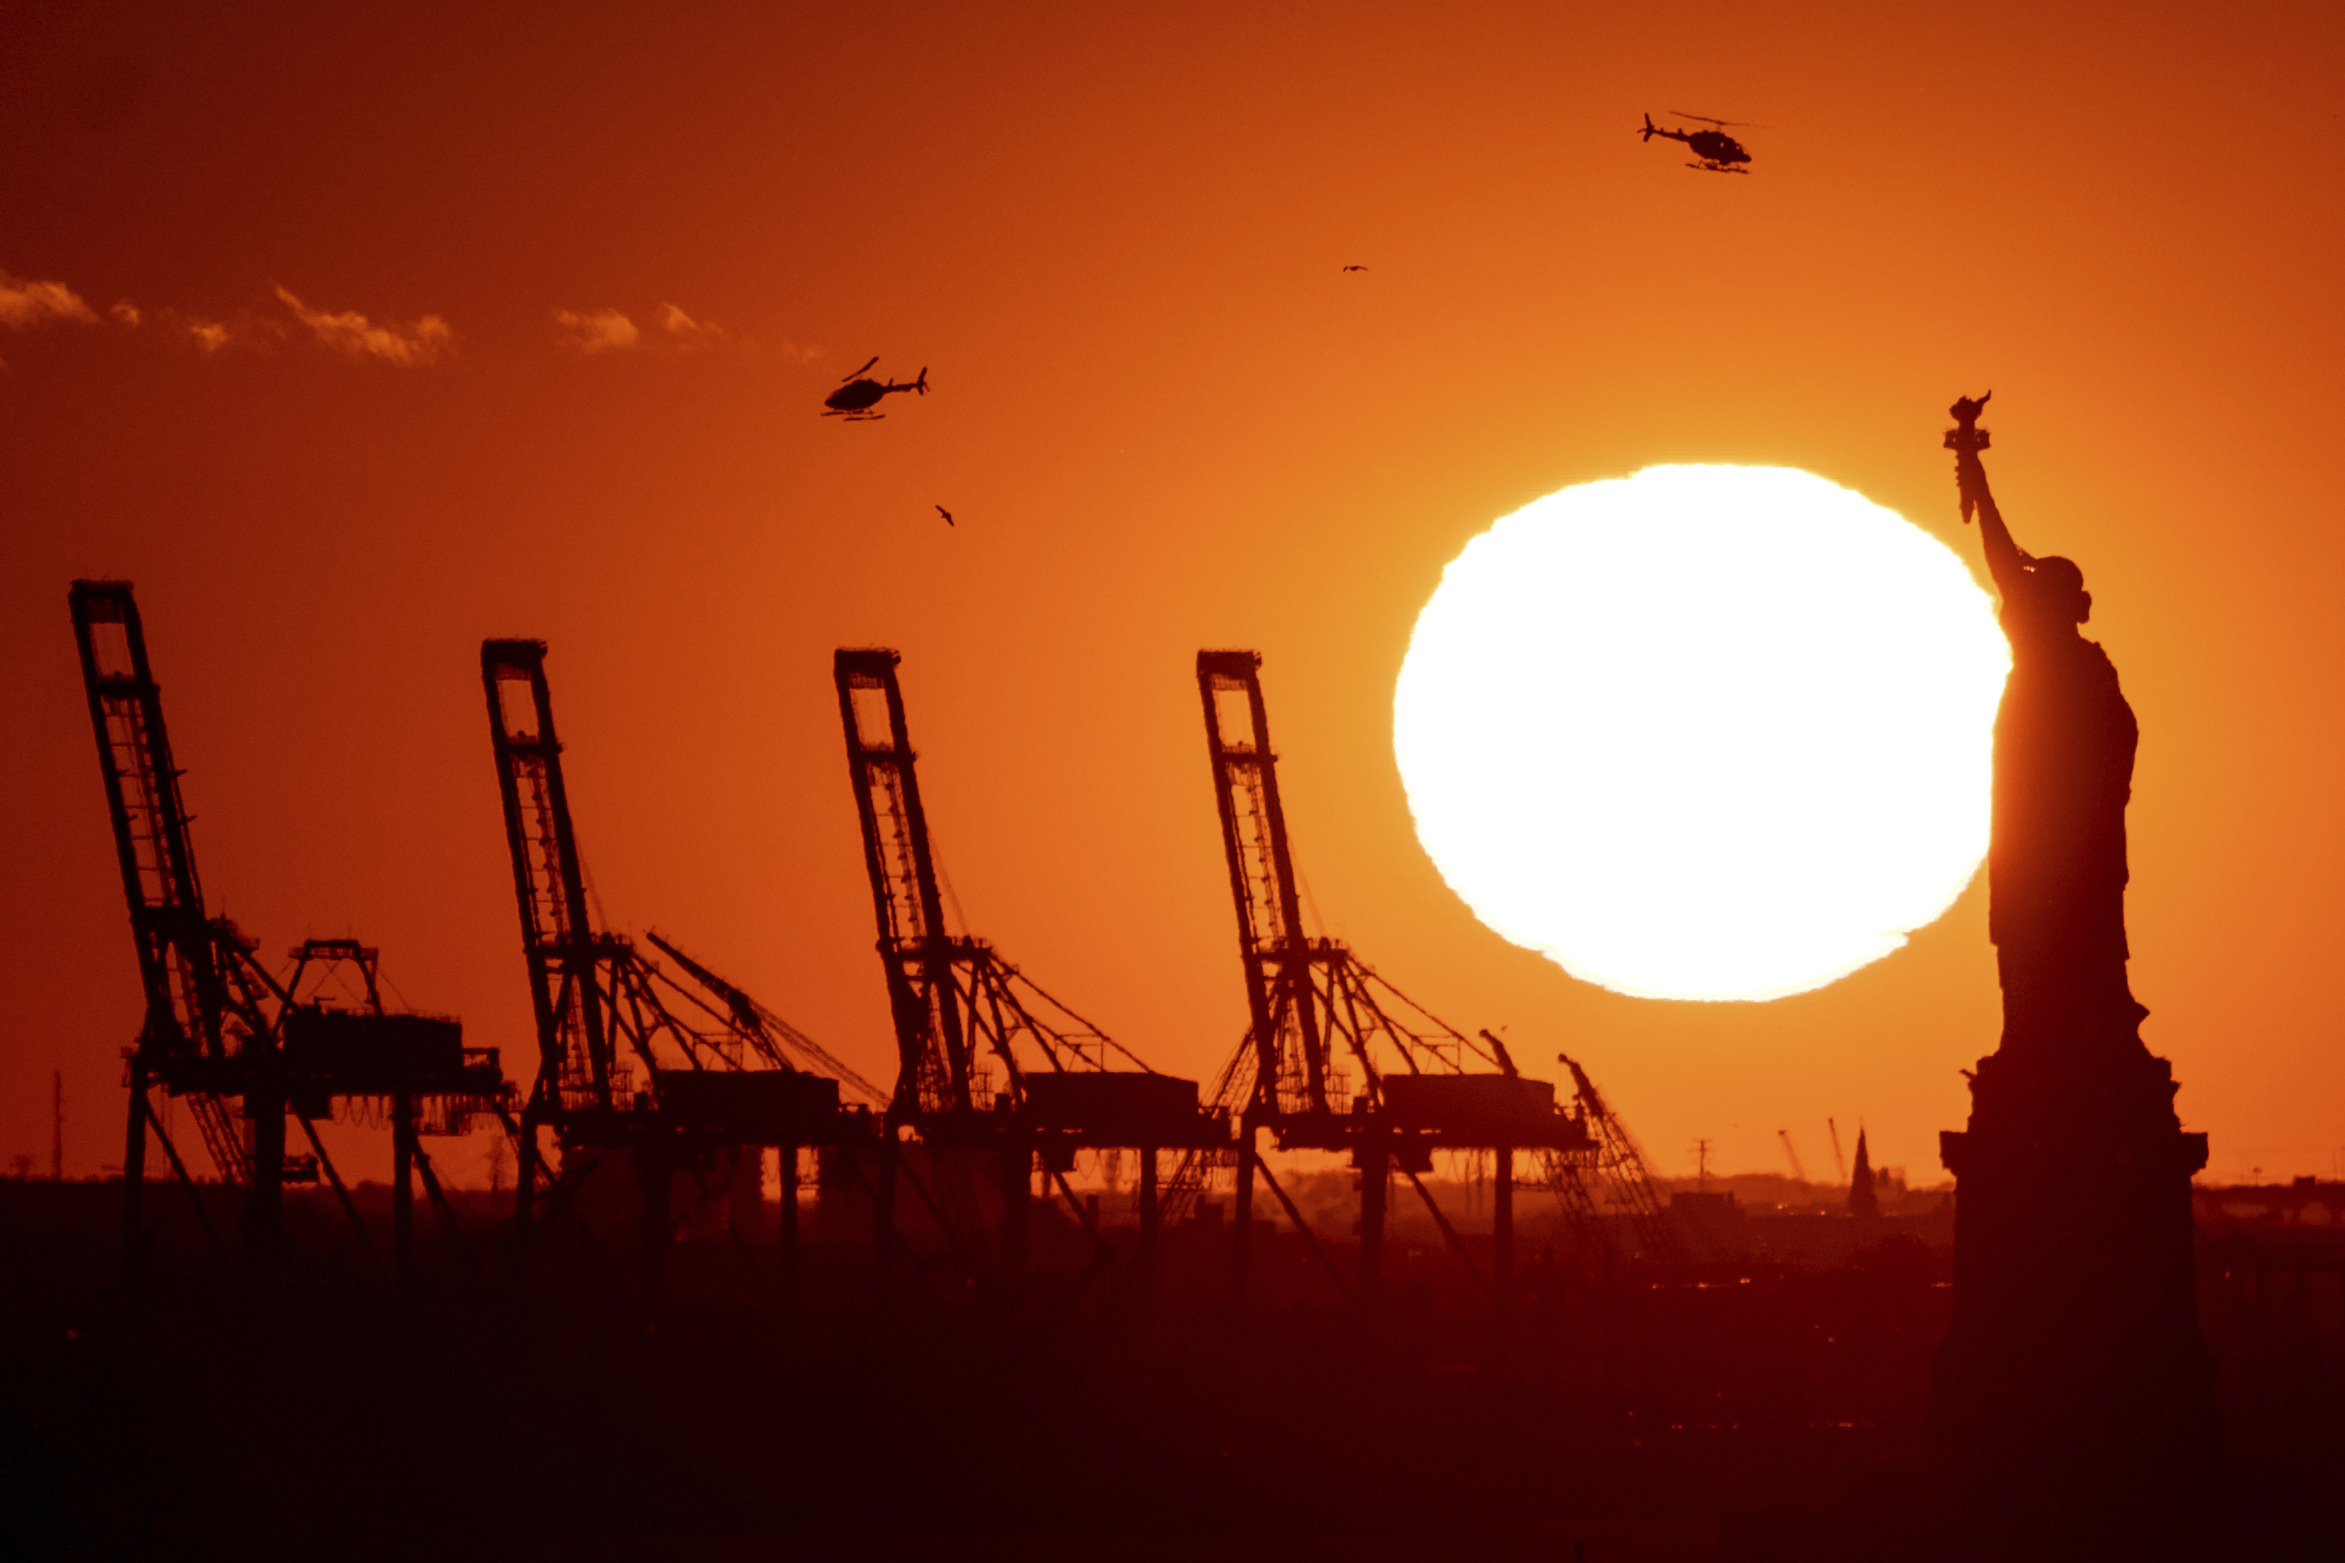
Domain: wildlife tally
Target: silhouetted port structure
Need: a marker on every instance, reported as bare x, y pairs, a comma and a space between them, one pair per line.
717, 1082
661, 1072
244, 1048
1316, 1010
1621, 1172
961, 1012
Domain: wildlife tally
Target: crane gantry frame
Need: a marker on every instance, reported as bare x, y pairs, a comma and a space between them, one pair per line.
1306, 997
245, 1048
960, 1010
718, 1079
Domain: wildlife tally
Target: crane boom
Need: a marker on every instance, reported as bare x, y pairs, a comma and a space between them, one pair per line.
766, 1031
576, 1067
1290, 1052
209, 1031
935, 1071
186, 996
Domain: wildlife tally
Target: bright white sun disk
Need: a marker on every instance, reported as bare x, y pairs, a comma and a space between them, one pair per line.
1705, 732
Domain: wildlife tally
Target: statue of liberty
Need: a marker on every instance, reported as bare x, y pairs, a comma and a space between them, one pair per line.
2072, 1379
2064, 743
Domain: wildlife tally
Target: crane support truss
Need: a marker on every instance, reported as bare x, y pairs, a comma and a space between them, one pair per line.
242, 1046
676, 1071
1335, 1057
1626, 1180
988, 1062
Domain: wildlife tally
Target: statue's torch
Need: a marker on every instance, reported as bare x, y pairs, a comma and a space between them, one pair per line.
1966, 439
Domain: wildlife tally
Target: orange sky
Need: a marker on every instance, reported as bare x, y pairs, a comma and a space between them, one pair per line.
1164, 419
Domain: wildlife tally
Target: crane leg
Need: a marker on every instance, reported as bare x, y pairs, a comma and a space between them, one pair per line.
264, 1216
1017, 1180
789, 1213
134, 1163
1151, 1215
1375, 1186
1242, 1219
655, 1176
403, 1189
1502, 1225
883, 1211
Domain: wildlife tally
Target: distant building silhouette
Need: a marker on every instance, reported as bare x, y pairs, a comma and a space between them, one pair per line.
1862, 1200
2072, 1374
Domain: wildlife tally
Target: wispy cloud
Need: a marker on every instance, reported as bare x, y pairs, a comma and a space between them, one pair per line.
597, 332
27, 304
24, 305
687, 331
668, 329
353, 335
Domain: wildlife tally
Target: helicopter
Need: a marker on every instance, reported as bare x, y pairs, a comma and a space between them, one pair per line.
1719, 152
856, 397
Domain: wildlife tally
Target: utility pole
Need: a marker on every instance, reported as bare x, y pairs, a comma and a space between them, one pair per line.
1702, 1165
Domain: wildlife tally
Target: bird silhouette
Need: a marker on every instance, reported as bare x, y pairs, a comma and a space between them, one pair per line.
1355, 268
947, 514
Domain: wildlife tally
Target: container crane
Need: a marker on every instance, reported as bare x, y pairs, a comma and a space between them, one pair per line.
988, 1065
243, 1047
676, 1075
1317, 1012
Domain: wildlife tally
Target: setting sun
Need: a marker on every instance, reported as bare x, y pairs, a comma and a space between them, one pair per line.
1703, 733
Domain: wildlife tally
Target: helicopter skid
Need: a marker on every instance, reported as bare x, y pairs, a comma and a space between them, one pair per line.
1717, 168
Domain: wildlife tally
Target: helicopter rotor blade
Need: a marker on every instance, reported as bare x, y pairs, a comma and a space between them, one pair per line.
1739, 124
852, 373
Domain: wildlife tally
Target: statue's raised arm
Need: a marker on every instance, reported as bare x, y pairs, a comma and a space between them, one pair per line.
2005, 562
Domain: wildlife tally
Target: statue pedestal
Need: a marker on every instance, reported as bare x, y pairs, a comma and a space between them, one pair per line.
2073, 1368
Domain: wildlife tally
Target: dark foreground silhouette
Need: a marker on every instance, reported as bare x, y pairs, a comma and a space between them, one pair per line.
1766, 1402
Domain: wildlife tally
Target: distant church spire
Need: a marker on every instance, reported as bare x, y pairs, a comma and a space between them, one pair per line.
1862, 1201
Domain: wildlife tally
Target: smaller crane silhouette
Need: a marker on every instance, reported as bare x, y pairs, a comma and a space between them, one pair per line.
1798, 1170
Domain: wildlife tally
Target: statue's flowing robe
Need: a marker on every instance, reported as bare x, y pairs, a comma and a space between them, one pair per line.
2056, 871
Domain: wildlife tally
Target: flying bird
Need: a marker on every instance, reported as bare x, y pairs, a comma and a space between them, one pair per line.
947, 514
1355, 268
